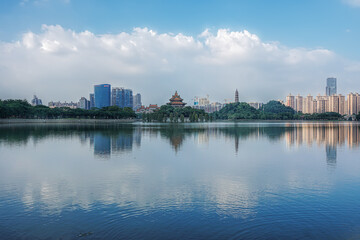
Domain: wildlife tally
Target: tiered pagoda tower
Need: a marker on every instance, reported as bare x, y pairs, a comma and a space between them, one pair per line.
236, 96
176, 101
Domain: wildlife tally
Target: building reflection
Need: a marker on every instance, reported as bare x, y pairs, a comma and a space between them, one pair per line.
331, 155
331, 135
116, 141
102, 145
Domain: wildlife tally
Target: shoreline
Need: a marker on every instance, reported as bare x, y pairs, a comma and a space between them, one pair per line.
65, 120
121, 121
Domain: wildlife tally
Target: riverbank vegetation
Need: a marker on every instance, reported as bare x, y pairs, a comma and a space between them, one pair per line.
22, 109
273, 110
168, 113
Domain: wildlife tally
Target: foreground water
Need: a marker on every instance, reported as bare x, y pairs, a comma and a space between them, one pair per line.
194, 181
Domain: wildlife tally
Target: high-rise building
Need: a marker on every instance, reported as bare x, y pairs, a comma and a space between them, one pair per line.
299, 103
92, 101
322, 104
102, 95
137, 101
236, 96
352, 103
84, 103
128, 98
314, 107
36, 101
290, 101
346, 110
331, 88
308, 105
357, 103
334, 103
342, 105
122, 97
117, 97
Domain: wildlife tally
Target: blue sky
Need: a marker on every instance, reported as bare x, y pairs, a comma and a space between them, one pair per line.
290, 43
332, 24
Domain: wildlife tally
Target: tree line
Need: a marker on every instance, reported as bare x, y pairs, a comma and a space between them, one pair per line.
168, 113
273, 110
22, 109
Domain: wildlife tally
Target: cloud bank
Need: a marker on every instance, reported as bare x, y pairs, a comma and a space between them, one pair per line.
354, 3
61, 64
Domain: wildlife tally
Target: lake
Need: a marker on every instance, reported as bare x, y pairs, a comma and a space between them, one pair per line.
246, 180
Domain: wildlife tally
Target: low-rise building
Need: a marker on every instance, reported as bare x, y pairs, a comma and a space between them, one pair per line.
150, 109
64, 104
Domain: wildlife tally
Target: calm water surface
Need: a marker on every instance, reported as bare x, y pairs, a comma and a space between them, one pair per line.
194, 181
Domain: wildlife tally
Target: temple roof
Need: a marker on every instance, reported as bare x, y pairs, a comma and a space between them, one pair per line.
176, 97
176, 100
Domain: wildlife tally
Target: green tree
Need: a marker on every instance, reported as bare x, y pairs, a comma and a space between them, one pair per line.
182, 118
171, 117
206, 117
176, 117
201, 117
143, 116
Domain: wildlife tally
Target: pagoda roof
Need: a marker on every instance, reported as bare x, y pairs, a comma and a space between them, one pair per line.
176, 100
177, 103
176, 97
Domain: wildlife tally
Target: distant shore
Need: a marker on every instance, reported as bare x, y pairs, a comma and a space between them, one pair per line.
65, 120
120, 121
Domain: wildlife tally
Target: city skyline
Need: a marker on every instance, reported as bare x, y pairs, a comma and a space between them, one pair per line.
60, 59
121, 97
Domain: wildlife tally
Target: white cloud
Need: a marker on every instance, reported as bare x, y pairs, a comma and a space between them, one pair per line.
23, 2
61, 64
354, 3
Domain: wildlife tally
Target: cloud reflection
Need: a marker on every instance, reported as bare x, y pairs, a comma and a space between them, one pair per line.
153, 182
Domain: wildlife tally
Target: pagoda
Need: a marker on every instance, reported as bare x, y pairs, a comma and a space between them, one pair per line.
176, 101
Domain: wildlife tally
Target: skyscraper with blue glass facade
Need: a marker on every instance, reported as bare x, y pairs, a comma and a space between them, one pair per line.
102, 95
122, 97
331, 88
117, 97
128, 98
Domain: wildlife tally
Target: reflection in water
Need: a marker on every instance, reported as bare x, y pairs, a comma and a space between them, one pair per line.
102, 145
114, 139
331, 155
184, 179
105, 145
331, 135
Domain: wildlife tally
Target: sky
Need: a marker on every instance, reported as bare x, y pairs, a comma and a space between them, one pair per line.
58, 49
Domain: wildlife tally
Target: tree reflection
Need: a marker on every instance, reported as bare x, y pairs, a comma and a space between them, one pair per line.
118, 138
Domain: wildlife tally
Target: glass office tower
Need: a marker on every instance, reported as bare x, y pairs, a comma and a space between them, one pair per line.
92, 100
122, 97
128, 98
331, 86
102, 95
117, 97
